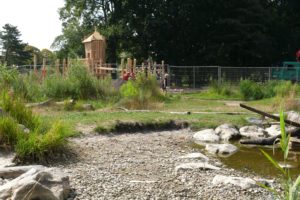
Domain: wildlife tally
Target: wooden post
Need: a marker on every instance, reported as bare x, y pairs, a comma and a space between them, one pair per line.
163, 68
149, 68
143, 67
34, 63
44, 69
134, 66
57, 66
68, 64
122, 68
128, 65
100, 72
64, 66
154, 69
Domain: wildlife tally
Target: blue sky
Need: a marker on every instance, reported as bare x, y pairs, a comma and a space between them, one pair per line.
37, 20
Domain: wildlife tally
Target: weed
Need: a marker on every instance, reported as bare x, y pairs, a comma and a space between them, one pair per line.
291, 189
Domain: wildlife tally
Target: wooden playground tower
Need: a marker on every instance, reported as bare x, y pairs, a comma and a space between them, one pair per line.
95, 46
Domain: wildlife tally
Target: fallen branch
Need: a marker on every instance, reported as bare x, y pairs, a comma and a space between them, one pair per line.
289, 122
270, 140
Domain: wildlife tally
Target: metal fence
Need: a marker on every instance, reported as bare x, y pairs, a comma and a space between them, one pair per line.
200, 76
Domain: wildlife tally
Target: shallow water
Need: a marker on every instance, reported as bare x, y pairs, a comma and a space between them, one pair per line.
250, 159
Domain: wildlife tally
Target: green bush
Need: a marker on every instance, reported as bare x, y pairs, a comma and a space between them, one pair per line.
283, 88
251, 90
17, 109
224, 89
57, 86
39, 147
141, 93
10, 132
42, 140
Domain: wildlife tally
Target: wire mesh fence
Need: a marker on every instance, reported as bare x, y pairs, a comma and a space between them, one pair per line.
200, 76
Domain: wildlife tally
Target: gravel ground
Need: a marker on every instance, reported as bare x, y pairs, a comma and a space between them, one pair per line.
141, 166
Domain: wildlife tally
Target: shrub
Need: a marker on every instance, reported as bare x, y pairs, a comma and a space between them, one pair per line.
39, 147
84, 83
10, 132
42, 140
224, 89
144, 92
283, 88
56, 86
251, 90
16, 109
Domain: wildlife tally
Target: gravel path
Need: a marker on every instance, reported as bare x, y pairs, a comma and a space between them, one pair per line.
141, 166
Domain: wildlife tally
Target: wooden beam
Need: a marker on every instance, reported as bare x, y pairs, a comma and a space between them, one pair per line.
289, 122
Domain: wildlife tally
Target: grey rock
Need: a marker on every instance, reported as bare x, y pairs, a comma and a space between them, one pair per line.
252, 132
293, 116
255, 121
221, 149
227, 132
198, 165
244, 183
37, 183
194, 156
274, 130
208, 135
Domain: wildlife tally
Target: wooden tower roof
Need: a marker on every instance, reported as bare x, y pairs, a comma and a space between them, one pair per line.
95, 36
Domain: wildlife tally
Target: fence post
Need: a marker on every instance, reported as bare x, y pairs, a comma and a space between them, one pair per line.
219, 75
194, 77
34, 63
169, 73
270, 74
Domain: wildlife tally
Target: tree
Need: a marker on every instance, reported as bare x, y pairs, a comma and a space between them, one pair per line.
190, 32
13, 49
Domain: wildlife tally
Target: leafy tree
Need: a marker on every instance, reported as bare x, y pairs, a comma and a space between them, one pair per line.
13, 49
190, 32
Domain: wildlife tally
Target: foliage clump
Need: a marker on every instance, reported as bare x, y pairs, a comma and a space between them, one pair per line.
39, 142
143, 92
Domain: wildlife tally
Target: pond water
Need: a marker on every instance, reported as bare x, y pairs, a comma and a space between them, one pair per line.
251, 160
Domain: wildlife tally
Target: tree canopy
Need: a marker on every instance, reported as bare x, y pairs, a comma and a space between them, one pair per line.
190, 32
13, 49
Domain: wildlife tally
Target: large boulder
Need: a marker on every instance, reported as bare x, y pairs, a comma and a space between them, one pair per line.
37, 183
252, 132
274, 130
208, 135
244, 183
221, 149
227, 132
293, 116
192, 166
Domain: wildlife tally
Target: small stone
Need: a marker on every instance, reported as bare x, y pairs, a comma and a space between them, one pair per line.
191, 166
195, 156
244, 183
221, 149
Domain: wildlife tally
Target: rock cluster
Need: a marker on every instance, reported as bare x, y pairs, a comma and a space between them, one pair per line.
34, 182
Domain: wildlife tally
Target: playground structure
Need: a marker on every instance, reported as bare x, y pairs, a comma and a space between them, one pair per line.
95, 52
95, 47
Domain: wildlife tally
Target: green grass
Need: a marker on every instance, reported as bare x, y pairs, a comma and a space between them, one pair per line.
107, 119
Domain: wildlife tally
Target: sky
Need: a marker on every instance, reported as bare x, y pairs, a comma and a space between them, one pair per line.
37, 20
